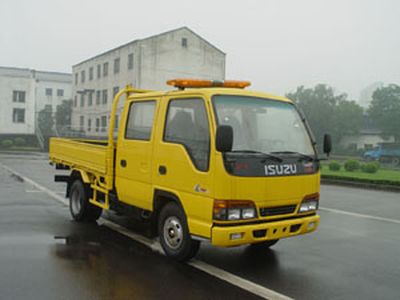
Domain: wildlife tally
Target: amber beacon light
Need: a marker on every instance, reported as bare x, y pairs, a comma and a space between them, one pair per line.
201, 83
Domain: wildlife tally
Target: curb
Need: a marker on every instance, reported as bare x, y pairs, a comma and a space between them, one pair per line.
11, 152
358, 184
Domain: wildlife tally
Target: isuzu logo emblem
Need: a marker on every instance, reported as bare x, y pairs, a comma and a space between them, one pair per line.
284, 169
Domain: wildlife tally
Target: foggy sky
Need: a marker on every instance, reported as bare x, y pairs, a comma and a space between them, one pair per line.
278, 45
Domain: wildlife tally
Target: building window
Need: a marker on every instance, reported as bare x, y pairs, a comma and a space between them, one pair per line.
130, 61
76, 78
90, 99
115, 91
104, 96
82, 100
368, 146
76, 101
140, 120
83, 76
98, 96
81, 122
103, 123
89, 124
116, 65
105, 69
91, 73
19, 115
98, 71
49, 92
184, 42
97, 124
60, 93
19, 96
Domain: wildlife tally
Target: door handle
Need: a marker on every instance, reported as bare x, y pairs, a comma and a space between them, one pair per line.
123, 163
162, 170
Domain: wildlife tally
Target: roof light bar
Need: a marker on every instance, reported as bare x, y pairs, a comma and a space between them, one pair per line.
202, 83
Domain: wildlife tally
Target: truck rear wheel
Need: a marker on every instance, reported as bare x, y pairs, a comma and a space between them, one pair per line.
80, 207
174, 233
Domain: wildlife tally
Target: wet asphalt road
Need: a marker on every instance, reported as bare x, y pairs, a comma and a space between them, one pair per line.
44, 255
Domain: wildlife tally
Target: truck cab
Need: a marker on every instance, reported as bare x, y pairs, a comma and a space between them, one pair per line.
208, 161
385, 153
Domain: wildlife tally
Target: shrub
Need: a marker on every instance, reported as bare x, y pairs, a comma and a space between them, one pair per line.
351, 165
370, 167
6, 143
334, 165
19, 141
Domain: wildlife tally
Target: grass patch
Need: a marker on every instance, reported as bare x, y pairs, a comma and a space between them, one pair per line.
382, 176
21, 148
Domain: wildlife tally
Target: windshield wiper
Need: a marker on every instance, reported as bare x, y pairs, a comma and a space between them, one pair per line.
303, 156
264, 155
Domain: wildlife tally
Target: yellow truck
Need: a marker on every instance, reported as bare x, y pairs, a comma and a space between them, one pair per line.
208, 161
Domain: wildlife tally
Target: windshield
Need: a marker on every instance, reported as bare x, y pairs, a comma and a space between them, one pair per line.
263, 125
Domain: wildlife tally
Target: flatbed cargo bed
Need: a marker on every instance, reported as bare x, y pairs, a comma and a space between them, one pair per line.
89, 155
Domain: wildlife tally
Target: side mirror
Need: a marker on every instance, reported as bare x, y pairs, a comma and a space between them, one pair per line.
327, 144
224, 138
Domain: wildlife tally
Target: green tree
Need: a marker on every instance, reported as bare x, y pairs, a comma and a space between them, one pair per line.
348, 119
384, 110
63, 114
46, 121
328, 112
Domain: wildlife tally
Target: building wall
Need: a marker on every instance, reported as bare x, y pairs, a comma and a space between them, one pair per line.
33, 83
56, 82
363, 141
16, 80
178, 53
164, 57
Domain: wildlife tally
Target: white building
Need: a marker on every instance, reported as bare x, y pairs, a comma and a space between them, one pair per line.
24, 92
144, 63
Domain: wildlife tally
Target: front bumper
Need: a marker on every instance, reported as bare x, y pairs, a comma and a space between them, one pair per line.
254, 233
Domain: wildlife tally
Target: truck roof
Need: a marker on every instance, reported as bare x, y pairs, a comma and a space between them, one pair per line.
210, 92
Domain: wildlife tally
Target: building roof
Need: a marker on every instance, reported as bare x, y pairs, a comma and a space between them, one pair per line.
41, 75
147, 38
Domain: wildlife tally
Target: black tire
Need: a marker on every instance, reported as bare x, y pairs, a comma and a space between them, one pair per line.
174, 233
79, 206
395, 161
263, 245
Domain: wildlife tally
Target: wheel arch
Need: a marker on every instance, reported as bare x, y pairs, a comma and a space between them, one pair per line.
77, 174
160, 199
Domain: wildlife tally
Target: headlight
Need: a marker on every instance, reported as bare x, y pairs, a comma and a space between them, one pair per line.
248, 213
308, 206
233, 214
310, 203
233, 210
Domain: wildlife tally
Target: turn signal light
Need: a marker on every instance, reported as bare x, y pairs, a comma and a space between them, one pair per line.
233, 210
202, 83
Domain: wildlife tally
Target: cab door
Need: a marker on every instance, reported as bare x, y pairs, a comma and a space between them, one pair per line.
183, 162
134, 157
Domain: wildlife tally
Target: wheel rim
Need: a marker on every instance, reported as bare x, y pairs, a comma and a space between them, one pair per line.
173, 233
76, 202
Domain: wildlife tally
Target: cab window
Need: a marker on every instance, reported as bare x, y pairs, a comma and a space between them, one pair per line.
187, 124
140, 120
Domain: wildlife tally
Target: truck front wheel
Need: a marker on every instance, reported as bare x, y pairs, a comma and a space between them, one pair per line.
80, 207
174, 233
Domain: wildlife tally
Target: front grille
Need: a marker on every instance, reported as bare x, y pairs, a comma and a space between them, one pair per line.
277, 210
